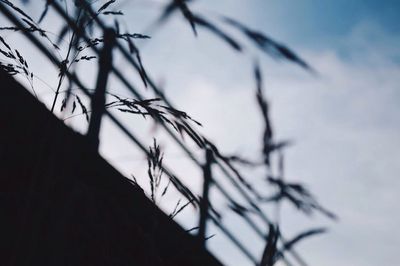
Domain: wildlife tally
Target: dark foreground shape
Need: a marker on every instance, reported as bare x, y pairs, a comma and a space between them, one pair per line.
62, 204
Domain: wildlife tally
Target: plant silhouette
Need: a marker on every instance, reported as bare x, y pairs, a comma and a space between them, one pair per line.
86, 40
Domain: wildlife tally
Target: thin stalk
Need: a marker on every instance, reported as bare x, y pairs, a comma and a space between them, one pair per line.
62, 73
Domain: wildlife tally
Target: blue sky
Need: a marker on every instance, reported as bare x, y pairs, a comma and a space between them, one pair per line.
345, 123
306, 21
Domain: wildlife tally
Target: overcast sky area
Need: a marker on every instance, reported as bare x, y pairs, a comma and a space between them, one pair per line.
344, 121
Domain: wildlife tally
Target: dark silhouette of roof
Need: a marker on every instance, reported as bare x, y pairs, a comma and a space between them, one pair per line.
62, 204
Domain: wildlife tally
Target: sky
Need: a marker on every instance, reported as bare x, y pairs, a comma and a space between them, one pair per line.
344, 121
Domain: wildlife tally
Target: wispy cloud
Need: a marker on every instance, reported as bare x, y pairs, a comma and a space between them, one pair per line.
346, 124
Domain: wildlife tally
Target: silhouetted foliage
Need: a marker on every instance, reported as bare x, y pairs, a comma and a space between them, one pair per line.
86, 18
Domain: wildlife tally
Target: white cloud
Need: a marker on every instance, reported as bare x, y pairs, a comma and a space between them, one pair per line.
346, 125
